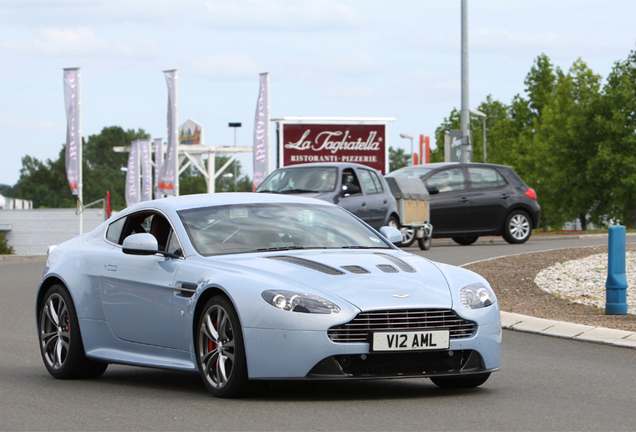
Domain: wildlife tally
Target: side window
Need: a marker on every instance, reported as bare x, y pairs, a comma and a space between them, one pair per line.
114, 230
173, 245
368, 184
482, 178
447, 181
378, 183
350, 184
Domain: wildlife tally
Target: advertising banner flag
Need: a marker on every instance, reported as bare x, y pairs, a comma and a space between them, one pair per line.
169, 170
145, 154
158, 149
73, 118
261, 132
132, 175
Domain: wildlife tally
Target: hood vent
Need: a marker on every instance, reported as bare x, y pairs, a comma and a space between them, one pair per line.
387, 268
398, 262
355, 269
309, 264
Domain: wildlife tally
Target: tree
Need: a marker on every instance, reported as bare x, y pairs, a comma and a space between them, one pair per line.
46, 185
398, 159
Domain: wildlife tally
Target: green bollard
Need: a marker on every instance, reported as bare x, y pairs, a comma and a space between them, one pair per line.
616, 285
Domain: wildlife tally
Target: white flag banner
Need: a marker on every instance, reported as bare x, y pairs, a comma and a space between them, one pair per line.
146, 170
158, 148
169, 170
73, 139
261, 132
132, 175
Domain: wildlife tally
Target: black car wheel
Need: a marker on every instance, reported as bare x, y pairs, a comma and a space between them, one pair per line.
220, 349
517, 228
60, 339
464, 381
466, 240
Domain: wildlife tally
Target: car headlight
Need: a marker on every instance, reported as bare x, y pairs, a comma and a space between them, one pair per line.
299, 302
477, 296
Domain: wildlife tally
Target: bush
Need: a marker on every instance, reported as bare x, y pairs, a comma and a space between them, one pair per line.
5, 249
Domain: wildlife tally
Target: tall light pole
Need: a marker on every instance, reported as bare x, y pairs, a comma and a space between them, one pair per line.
234, 126
407, 136
483, 116
466, 149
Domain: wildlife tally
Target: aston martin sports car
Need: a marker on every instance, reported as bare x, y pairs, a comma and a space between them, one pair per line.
242, 287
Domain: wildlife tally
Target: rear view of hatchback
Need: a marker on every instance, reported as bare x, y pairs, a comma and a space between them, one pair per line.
472, 200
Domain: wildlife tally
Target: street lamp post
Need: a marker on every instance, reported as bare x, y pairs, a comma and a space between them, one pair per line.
234, 126
477, 113
407, 136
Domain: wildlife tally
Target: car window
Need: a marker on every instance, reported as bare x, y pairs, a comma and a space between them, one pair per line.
368, 185
376, 180
301, 180
447, 181
350, 183
114, 230
173, 245
482, 178
145, 222
410, 173
262, 227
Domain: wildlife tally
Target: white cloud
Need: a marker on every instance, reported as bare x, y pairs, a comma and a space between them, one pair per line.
42, 126
232, 66
76, 41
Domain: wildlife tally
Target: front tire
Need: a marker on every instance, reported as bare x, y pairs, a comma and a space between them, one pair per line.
457, 382
220, 349
517, 228
61, 343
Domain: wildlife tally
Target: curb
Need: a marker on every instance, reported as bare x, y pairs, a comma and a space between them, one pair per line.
22, 257
579, 332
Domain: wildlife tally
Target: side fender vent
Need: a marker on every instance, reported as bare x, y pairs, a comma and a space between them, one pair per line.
309, 264
398, 262
355, 269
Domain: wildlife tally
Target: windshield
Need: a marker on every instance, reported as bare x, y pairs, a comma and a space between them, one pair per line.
410, 173
263, 227
301, 180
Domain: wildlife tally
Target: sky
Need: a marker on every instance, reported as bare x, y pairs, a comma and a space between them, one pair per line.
326, 58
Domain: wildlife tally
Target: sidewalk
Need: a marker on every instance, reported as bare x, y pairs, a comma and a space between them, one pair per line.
580, 332
541, 237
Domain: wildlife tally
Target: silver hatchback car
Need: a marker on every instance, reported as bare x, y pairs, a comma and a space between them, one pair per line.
359, 189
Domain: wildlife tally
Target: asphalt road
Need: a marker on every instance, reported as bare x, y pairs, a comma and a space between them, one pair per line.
544, 384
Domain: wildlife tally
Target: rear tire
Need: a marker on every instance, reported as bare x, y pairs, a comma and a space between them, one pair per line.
463, 381
517, 228
60, 339
465, 240
408, 236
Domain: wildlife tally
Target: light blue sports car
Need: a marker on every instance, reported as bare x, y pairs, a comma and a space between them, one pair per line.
261, 287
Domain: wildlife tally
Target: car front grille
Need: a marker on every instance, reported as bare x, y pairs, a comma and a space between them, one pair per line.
365, 323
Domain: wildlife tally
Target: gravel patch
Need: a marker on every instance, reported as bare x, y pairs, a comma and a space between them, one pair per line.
513, 280
583, 280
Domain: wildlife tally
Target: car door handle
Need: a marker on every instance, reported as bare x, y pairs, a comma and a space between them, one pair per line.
364, 204
463, 199
505, 196
386, 201
110, 267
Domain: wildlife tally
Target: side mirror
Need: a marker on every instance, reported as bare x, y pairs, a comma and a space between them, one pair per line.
432, 190
392, 234
140, 244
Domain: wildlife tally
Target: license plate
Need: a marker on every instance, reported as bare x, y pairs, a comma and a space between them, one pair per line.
411, 340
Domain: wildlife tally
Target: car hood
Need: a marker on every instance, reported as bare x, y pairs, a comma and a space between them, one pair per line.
366, 279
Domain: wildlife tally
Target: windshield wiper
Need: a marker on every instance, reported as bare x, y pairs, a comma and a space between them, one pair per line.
279, 248
357, 247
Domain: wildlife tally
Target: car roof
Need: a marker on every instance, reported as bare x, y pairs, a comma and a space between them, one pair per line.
436, 165
327, 165
226, 198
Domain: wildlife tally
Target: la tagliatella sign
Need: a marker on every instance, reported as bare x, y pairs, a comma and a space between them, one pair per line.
364, 144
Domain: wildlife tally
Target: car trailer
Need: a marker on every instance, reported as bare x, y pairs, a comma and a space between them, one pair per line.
413, 207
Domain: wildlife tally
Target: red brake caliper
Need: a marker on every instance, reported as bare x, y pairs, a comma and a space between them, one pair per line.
212, 344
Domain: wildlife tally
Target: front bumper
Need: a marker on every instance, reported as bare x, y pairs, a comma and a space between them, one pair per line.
282, 354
